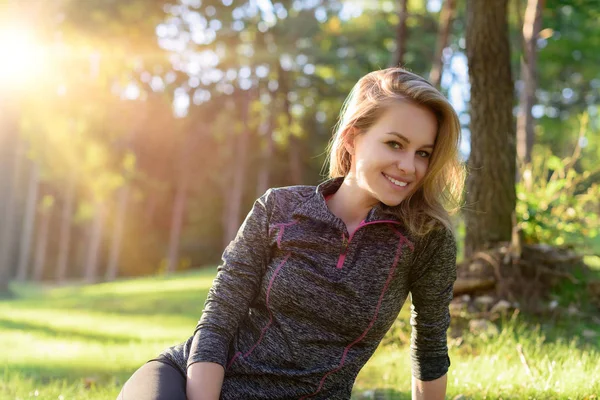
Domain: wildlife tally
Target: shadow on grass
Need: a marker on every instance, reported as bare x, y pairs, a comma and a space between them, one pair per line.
66, 333
184, 303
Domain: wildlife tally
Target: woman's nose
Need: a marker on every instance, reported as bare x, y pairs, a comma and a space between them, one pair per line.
406, 164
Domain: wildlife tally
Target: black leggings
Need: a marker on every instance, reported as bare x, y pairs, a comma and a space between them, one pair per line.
155, 380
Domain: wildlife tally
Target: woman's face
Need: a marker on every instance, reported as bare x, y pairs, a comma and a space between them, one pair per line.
392, 157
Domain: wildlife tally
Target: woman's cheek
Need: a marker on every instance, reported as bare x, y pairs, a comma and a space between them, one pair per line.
421, 170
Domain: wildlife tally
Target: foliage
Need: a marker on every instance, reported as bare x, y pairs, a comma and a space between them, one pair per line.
567, 74
106, 109
557, 203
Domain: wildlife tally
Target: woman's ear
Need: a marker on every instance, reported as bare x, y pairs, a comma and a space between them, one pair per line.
349, 139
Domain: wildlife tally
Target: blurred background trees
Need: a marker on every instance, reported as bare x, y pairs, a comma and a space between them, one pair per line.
135, 134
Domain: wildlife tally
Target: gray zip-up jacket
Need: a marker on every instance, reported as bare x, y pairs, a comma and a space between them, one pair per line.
299, 305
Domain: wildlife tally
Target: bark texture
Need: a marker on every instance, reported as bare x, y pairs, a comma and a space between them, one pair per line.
490, 197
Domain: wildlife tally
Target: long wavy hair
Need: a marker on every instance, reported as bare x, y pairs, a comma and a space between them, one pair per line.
439, 194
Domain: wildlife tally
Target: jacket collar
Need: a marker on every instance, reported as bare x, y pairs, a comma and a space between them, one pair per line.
315, 207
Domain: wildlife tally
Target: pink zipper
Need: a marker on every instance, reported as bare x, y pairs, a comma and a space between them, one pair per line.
345, 244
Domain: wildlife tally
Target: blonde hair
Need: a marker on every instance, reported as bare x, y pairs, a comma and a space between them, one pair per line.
440, 191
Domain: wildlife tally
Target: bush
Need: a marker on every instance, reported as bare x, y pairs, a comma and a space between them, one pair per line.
557, 204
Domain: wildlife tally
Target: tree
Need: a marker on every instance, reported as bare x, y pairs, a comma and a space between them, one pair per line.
264, 173
188, 149
567, 75
28, 222
401, 33
233, 211
446, 19
10, 162
531, 30
41, 246
65, 227
490, 197
294, 146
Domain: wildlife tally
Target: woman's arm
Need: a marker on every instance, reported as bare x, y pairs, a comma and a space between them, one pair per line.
237, 283
429, 390
432, 280
204, 381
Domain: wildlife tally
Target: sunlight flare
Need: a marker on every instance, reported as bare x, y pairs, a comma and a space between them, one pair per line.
22, 57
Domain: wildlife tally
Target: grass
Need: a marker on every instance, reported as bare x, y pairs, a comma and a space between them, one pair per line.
83, 342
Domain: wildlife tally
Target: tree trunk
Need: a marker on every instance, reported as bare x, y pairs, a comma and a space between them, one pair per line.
8, 232
42, 241
446, 19
64, 243
123, 198
294, 145
401, 34
531, 29
233, 217
177, 221
150, 205
490, 194
5, 187
188, 151
81, 243
28, 222
264, 173
95, 241
117, 237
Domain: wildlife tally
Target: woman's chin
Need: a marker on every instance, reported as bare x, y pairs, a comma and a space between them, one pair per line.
390, 202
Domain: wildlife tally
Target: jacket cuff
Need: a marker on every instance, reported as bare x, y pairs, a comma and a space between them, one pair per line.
208, 347
429, 368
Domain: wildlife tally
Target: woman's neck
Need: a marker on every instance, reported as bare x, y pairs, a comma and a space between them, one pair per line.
350, 204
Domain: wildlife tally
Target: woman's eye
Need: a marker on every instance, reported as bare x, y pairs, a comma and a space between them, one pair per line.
424, 154
394, 145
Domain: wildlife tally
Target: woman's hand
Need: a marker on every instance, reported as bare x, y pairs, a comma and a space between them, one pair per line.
204, 381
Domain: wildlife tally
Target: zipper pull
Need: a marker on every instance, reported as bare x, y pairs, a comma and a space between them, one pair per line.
344, 244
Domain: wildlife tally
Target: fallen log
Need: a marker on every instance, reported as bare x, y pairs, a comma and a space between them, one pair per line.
470, 285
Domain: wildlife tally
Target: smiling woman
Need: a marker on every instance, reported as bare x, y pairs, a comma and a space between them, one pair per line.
317, 275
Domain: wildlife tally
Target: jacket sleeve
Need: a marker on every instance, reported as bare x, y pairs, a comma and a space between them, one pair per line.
237, 283
432, 282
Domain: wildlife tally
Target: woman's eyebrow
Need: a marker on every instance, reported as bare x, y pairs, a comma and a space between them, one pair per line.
405, 139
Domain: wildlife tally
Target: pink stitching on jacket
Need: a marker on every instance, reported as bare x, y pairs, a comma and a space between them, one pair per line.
262, 333
402, 237
282, 227
361, 337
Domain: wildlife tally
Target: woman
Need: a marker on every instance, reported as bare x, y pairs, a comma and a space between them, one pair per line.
316, 276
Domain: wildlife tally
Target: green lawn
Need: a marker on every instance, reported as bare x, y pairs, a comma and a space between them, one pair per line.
84, 342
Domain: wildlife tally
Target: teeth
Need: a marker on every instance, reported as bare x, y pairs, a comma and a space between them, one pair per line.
395, 182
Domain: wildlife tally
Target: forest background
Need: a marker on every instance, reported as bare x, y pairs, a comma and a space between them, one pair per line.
135, 134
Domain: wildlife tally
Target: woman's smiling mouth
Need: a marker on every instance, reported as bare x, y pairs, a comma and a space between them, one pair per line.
397, 183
